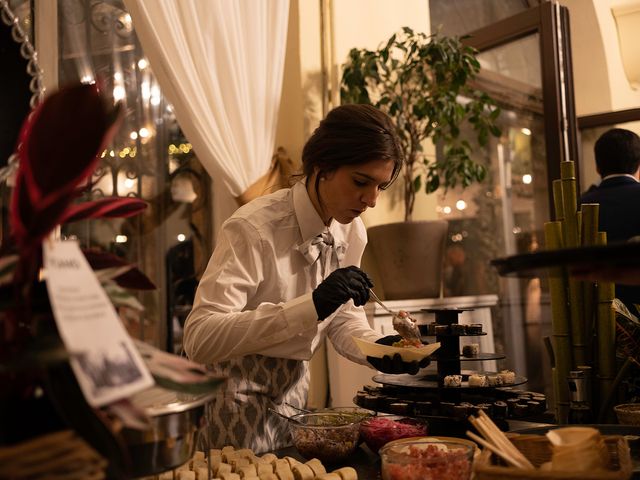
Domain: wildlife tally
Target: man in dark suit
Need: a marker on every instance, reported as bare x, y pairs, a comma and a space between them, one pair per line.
617, 153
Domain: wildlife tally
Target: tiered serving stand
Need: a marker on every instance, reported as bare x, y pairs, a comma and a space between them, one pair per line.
447, 407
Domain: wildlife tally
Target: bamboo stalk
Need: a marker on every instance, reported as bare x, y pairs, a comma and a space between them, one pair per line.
560, 326
569, 204
589, 237
557, 200
606, 332
571, 235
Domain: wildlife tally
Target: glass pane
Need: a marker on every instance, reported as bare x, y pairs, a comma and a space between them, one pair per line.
149, 159
519, 61
457, 17
505, 214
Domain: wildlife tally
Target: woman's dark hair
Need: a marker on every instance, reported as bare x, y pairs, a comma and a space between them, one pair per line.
617, 151
350, 135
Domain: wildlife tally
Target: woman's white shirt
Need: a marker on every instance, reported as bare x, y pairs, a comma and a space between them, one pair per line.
255, 296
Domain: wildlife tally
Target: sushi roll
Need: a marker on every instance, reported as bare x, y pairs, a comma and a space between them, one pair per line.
474, 329
442, 329
508, 377
423, 408
453, 381
476, 380
447, 408
471, 350
431, 328
460, 411
400, 408
499, 409
458, 329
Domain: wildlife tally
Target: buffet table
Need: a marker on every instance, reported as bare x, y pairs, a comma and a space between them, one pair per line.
367, 463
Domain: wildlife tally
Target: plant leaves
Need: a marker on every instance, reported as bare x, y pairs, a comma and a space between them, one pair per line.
133, 278
417, 80
61, 141
110, 207
58, 149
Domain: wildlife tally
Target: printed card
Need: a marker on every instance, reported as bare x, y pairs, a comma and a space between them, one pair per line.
103, 357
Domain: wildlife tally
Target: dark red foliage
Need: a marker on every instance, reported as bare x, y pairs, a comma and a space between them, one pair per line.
109, 207
59, 147
133, 278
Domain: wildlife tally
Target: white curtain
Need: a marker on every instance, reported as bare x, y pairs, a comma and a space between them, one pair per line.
220, 64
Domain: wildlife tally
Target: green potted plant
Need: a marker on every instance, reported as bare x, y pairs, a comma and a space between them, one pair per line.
423, 83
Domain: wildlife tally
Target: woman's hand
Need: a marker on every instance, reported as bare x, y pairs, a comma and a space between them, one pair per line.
395, 364
339, 287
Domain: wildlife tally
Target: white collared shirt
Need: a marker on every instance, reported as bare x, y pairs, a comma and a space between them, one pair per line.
255, 295
614, 175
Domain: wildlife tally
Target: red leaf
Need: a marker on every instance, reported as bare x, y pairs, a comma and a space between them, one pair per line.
58, 147
133, 279
30, 227
100, 260
109, 207
61, 141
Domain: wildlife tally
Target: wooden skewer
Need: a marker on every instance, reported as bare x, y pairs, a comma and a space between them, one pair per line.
502, 454
496, 441
501, 441
495, 436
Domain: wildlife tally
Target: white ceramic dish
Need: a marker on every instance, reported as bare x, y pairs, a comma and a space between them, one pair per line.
409, 354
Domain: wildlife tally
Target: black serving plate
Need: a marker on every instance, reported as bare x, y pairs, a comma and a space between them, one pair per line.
480, 357
583, 259
431, 382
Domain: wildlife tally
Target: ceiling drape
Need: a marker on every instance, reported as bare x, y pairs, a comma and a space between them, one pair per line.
220, 64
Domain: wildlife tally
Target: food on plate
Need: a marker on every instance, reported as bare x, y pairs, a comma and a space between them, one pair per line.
408, 343
453, 381
477, 380
458, 328
471, 350
507, 376
474, 329
408, 354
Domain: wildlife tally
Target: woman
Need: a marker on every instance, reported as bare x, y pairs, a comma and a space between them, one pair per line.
284, 275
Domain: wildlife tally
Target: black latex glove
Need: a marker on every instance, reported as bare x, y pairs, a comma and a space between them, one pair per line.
395, 364
340, 286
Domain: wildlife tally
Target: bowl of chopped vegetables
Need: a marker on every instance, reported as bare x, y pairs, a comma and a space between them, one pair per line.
434, 460
330, 436
382, 429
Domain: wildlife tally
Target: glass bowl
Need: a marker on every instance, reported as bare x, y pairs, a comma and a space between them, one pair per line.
350, 414
427, 459
326, 435
380, 430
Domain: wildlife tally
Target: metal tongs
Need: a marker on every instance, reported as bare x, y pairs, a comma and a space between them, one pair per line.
403, 324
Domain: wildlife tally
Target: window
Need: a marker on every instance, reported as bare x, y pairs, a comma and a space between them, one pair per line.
149, 159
